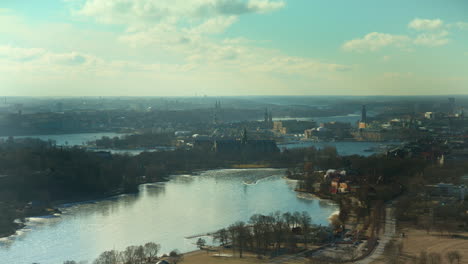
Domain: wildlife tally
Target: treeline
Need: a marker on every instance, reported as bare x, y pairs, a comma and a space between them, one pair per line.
143, 254
39, 172
32, 169
383, 176
272, 233
147, 140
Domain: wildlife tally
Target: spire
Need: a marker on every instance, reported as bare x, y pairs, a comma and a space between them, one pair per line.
364, 114
244, 136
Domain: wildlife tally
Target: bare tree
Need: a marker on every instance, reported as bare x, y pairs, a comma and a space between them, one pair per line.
176, 256
221, 236
435, 258
453, 256
129, 255
306, 224
108, 257
140, 255
423, 258
238, 233
151, 250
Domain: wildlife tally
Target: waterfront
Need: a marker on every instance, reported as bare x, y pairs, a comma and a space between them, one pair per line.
165, 213
343, 147
78, 139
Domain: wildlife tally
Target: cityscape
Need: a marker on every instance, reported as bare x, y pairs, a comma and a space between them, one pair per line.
165, 132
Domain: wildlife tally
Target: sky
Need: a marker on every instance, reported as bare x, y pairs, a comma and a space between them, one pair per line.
233, 47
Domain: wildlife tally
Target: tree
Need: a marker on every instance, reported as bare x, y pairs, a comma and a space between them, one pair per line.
238, 234
151, 251
108, 257
435, 258
305, 222
176, 256
453, 256
140, 255
129, 255
221, 236
201, 243
423, 259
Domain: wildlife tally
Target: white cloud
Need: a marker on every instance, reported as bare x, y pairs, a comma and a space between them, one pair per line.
432, 39
20, 54
432, 34
36, 57
461, 25
375, 41
426, 24
215, 25
151, 12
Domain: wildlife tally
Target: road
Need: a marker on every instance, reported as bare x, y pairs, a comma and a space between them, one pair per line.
389, 234
389, 224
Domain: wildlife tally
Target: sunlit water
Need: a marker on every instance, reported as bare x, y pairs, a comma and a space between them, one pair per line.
71, 139
344, 147
165, 213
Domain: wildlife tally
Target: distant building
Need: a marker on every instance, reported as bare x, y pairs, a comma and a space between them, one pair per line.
451, 105
268, 119
364, 114
217, 113
429, 115
183, 133
448, 190
245, 145
278, 127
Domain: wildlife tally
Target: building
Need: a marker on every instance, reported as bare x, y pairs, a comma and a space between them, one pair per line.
279, 128
268, 119
245, 145
429, 115
364, 114
458, 192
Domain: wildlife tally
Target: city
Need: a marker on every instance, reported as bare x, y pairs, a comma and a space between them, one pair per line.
164, 132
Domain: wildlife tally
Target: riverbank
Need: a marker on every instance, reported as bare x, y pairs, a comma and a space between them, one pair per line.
220, 257
418, 240
52, 208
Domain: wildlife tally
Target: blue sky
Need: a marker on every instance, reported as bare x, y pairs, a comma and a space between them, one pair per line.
233, 47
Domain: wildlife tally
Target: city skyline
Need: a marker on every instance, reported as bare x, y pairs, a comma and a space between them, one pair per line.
237, 47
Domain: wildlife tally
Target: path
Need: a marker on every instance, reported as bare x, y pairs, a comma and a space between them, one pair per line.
389, 233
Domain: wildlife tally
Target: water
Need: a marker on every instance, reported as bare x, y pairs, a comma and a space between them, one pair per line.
350, 118
71, 139
343, 147
165, 213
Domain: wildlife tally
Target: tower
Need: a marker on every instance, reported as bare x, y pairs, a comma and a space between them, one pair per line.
364, 114
244, 136
363, 123
451, 104
215, 112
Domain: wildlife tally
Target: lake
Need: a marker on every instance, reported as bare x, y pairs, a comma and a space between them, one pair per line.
344, 147
164, 213
77, 139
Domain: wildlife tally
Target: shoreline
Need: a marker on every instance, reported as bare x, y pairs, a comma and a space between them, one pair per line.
54, 206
